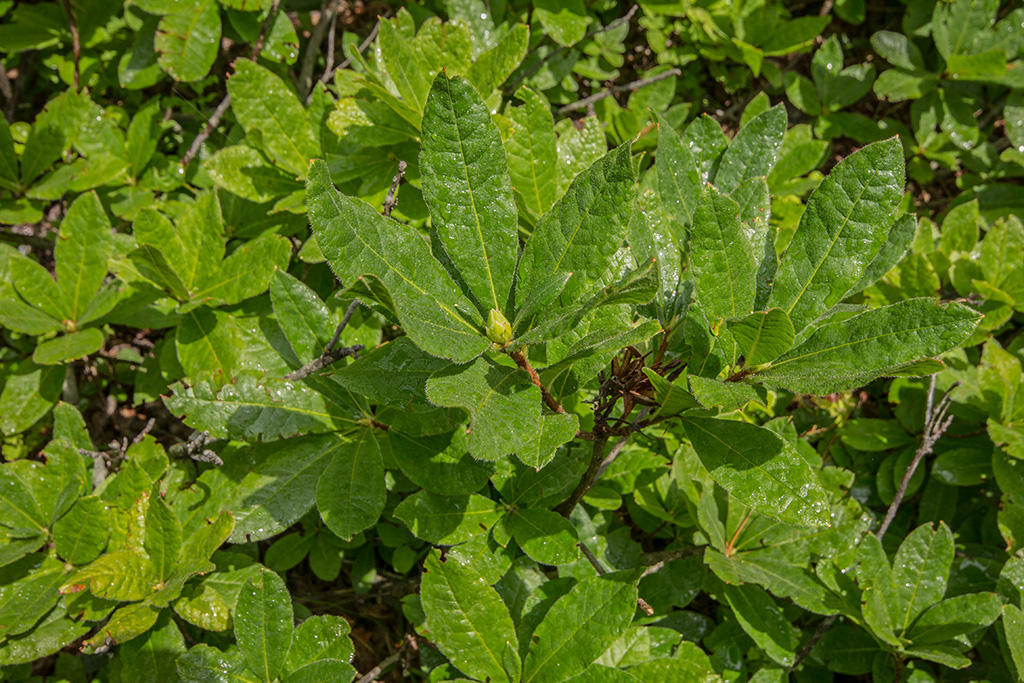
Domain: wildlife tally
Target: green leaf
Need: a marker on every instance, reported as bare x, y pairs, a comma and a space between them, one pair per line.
533, 154
957, 26
440, 463
491, 68
781, 578
850, 353
320, 637
68, 347
283, 488
447, 520
565, 22
762, 336
892, 252
707, 143
25, 601
410, 75
356, 240
679, 177
579, 148
193, 246
156, 652
243, 171
394, 373
350, 493
263, 624
163, 537
557, 429
321, 672
187, 41
37, 287
56, 632
209, 341
920, 572
504, 405
81, 534
754, 150
954, 617
206, 664
303, 317
761, 469
248, 410
263, 102
122, 575
468, 621
204, 607
583, 230
18, 316
580, 626
246, 272
730, 396
152, 265
28, 394
9, 175
764, 622
898, 50
844, 226
873, 435
545, 536
1013, 623
81, 253
722, 258
467, 188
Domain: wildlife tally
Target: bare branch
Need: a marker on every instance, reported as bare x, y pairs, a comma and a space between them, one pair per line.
520, 358
330, 354
328, 10
390, 202
633, 85
7, 91
195, 449
374, 673
596, 458
936, 423
599, 568
76, 45
329, 73
222, 108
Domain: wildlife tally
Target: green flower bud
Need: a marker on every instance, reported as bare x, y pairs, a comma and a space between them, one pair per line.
498, 330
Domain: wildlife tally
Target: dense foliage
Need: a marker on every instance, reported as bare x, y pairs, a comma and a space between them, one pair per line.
511, 341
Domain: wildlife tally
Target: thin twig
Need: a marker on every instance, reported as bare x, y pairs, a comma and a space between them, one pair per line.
596, 458
76, 45
7, 91
211, 123
225, 103
390, 202
328, 8
195, 449
617, 448
392, 659
329, 73
936, 423
599, 568
330, 353
634, 85
520, 358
